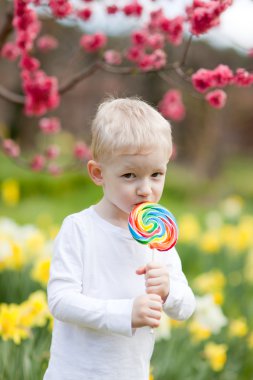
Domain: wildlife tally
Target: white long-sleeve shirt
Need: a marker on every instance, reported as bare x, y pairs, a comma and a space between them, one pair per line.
91, 291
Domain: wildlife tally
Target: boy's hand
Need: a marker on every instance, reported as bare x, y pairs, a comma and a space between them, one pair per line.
157, 279
147, 310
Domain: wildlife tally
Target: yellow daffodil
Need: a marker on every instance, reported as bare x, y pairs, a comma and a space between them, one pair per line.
11, 327
250, 341
189, 229
10, 192
198, 332
232, 206
175, 324
248, 268
210, 241
35, 311
40, 271
218, 298
238, 328
210, 282
35, 242
216, 354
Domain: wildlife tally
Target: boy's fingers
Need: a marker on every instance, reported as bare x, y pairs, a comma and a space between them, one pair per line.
155, 305
154, 281
141, 270
153, 289
155, 297
155, 314
152, 322
155, 273
154, 265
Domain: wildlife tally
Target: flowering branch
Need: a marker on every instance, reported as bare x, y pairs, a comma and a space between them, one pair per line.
145, 53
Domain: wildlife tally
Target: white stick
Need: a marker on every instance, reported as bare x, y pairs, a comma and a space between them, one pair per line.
153, 257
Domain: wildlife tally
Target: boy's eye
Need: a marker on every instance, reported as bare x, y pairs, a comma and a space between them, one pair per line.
128, 175
157, 174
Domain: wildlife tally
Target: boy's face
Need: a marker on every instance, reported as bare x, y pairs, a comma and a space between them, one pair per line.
131, 179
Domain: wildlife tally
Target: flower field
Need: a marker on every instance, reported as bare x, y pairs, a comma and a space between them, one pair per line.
217, 255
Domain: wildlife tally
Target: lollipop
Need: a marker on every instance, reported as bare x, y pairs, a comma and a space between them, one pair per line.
152, 224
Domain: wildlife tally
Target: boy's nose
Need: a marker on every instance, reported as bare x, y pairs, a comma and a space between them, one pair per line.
144, 189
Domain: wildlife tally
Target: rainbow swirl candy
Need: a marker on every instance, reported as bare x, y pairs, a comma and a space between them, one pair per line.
151, 223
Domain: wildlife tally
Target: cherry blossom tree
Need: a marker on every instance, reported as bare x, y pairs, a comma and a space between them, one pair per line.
21, 38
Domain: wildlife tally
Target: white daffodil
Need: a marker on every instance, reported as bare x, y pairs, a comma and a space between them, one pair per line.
209, 315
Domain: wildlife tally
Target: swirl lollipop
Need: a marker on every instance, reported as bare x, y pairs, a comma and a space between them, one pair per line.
152, 224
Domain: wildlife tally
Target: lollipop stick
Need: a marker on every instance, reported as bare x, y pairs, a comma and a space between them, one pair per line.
153, 257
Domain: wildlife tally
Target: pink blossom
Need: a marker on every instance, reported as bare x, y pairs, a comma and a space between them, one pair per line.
250, 53
36, 2
24, 41
46, 43
155, 23
164, 24
175, 30
54, 169
112, 57
156, 41
159, 59
216, 98
81, 151
171, 105
50, 125
10, 51
85, 14
38, 163
154, 61
139, 37
243, 78
93, 42
11, 148
52, 152
26, 20
133, 9
225, 4
221, 76
26, 24
204, 15
134, 54
202, 80
41, 92
61, 8
145, 63
29, 63
112, 9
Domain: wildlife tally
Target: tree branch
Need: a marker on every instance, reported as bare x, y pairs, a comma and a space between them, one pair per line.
169, 80
72, 82
186, 51
11, 96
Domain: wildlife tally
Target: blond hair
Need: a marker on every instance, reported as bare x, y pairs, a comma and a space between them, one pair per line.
128, 126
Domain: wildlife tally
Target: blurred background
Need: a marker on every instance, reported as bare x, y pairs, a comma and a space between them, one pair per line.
209, 188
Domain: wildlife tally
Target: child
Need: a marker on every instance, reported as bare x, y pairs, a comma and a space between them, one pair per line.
104, 292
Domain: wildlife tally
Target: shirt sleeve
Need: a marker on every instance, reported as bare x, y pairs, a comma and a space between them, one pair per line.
180, 303
66, 300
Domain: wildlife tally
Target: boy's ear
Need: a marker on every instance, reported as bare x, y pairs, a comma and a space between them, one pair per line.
95, 172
